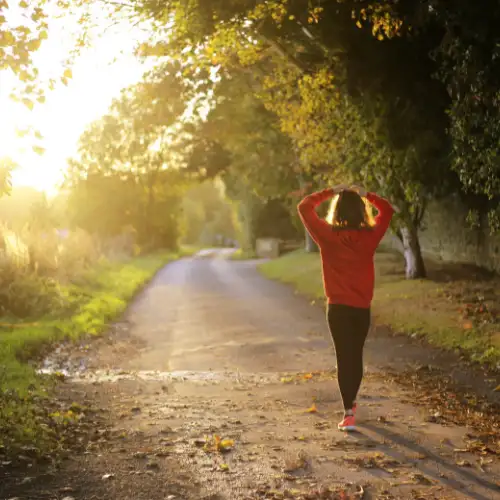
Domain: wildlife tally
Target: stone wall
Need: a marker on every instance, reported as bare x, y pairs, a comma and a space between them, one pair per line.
445, 235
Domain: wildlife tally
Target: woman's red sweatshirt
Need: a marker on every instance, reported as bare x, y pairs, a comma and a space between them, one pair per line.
346, 255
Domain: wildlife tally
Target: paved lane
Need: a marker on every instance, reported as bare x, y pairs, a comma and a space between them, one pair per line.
210, 313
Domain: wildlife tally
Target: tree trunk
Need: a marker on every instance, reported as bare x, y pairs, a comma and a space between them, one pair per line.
415, 267
310, 244
151, 235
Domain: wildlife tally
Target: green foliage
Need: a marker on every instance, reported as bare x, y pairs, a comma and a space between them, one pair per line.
34, 263
351, 95
23, 27
95, 299
255, 157
352, 86
207, 214
470, 68
126, 177
25, 294
272, 220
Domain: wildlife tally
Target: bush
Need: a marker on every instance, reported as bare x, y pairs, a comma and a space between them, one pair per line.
24, 293
36, 267
101, 294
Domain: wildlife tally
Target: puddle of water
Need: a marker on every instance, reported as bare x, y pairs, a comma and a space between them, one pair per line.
159, 376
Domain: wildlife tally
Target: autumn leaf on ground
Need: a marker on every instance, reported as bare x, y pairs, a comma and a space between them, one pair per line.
224, 467
467, 325
295, 462
225, 445
418, 478
218, 444
312, 409
308, 376
286, 380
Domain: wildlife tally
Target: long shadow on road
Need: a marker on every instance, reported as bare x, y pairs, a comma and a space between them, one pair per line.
436, 465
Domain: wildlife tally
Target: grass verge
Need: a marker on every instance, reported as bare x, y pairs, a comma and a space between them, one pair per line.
455, 308
98, 297
241, 254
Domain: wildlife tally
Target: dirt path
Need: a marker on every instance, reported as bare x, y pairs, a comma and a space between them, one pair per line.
213, 349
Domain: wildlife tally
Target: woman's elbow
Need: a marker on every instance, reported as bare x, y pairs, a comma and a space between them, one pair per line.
302, 207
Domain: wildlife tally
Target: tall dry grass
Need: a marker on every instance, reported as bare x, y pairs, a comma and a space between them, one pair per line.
34, 264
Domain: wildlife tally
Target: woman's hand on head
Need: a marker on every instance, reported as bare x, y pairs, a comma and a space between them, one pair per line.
300, 192
339, 188
359, 189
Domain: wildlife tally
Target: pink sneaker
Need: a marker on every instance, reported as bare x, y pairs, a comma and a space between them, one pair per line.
348, 424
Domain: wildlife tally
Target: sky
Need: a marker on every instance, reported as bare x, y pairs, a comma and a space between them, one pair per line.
99, 73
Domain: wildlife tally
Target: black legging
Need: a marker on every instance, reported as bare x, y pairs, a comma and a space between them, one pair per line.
349, 327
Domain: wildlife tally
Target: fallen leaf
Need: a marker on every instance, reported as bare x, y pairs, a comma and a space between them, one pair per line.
497, 389
312, 409
218, 444
296, 462
107, 477
224, 467
66, 489
225, 445
420, 479
360, 492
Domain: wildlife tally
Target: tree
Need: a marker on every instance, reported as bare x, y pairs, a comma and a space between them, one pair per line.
19, 41
208, 214
469, 66
350, 83
127, 153
241, 142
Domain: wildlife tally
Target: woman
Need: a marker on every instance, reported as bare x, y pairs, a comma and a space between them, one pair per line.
347, 243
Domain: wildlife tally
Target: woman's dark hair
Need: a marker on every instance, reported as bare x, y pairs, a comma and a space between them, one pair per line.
350, 211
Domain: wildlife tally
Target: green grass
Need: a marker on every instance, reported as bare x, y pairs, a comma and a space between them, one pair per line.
241, 254
300, 269
99, 297
432, 308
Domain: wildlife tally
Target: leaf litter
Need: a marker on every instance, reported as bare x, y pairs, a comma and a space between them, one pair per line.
435, 389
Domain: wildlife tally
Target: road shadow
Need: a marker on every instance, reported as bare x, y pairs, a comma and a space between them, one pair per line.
442, 464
